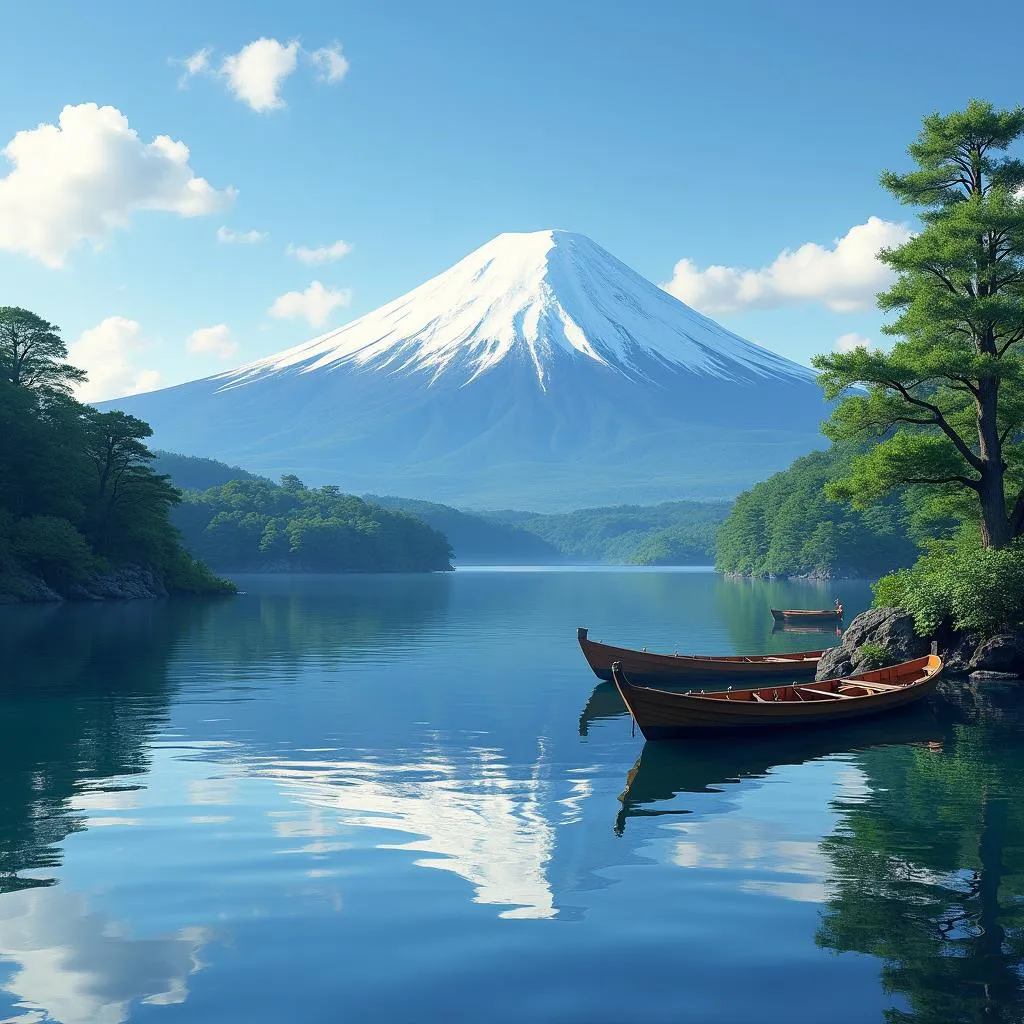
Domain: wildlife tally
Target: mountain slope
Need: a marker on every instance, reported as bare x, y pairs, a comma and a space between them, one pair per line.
538, 372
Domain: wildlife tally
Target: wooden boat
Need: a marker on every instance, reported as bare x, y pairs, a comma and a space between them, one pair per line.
663, 714
799, 616
643, 666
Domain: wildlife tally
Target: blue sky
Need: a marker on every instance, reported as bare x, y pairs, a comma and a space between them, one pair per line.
722, 135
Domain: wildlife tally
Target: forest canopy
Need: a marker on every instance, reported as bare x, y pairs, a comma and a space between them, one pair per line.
258, 525
787, 526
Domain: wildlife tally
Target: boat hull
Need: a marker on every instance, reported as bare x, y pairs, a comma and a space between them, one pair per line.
642, 666
661, 714
797, 616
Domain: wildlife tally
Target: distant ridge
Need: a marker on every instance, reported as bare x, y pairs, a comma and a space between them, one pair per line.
538, 372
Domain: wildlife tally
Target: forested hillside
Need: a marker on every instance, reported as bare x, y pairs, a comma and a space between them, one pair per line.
78, 495
192, 473
786, 526
255, 524
671, 533
476, 539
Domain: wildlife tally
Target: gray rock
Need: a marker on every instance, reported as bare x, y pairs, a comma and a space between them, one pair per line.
959, 653
18, 587
981, 676
1003, 653
889, 628
126, 584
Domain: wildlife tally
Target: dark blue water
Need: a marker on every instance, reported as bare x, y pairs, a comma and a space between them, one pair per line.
407, 799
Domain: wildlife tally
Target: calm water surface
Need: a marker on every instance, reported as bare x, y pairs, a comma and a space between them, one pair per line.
407, 799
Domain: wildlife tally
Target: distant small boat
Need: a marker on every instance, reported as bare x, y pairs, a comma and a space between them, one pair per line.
663, 714
642, 665
798, 616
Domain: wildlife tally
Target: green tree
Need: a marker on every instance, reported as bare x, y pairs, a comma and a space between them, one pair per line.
947, 401
32, 354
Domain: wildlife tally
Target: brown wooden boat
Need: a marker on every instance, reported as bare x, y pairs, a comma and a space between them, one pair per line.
642, 666
663, 714
799, 616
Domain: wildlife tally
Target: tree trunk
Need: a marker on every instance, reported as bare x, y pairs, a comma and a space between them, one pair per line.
995, 523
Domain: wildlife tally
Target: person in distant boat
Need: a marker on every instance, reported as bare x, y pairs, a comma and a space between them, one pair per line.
839, 607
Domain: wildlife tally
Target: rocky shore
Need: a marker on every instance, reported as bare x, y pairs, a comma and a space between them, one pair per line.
889, 632
129, 583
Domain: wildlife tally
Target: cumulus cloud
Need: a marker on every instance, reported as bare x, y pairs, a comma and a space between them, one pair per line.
107, 353
85, 176
314, 305
320, 254
215, 340
256, 73
331, 65
845, 277
851, 341
230, 236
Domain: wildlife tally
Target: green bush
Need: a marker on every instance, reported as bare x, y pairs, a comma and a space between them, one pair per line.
52, 547
185, 575
873, 656
962, 585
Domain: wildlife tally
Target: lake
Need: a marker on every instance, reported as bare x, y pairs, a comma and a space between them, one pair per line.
404, 798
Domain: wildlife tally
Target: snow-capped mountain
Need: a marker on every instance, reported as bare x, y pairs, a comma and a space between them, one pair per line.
538, 372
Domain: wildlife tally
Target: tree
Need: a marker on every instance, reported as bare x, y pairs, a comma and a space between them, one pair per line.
115, 445
947, 401
32, 354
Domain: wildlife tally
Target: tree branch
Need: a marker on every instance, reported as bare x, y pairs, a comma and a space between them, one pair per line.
941, 422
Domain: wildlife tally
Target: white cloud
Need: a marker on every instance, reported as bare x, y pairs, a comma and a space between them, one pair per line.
229, 235
851, 341
320, 254
845, 277
216, 340
85, 176
256, 73
196, 64
331, 65
106, 353
315, 304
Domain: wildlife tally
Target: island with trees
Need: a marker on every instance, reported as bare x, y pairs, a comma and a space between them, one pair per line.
256, 525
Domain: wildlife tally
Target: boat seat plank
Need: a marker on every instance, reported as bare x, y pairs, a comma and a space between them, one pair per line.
759, 698
826, 693
871, 686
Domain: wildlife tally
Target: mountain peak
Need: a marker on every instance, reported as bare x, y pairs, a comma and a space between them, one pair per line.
542, 296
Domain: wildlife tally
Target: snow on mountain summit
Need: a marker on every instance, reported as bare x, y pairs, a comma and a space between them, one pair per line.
541, 295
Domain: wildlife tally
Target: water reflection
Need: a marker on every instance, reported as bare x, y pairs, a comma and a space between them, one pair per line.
83, 692
473, 817
665, 770
604, 703
395, 768
78, 966
928, 868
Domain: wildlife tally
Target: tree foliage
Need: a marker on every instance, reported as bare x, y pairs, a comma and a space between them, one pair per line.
946, 404
255, 524
787, 526
76, 490
32, 354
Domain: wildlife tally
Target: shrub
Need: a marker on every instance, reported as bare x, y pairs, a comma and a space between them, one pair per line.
51, 547
963, 585
873, 656
185, 575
